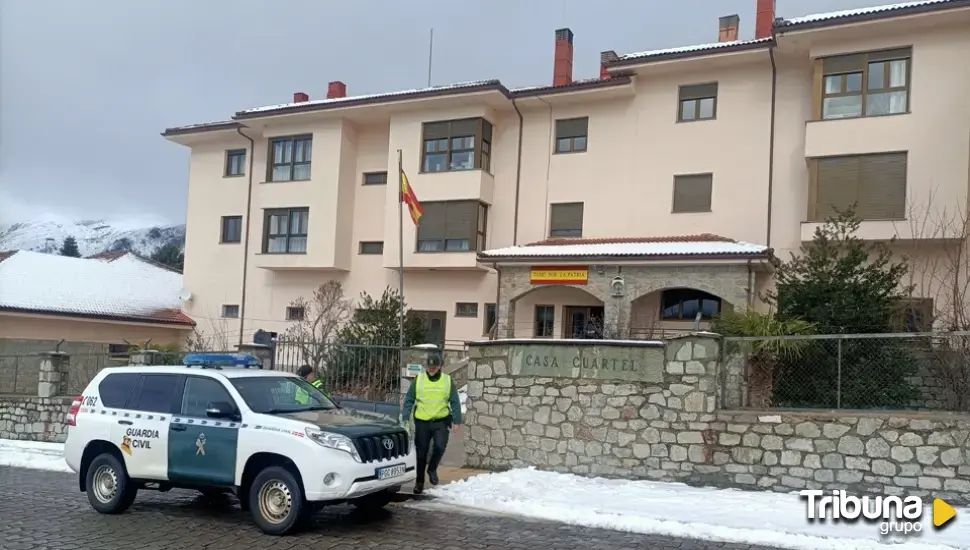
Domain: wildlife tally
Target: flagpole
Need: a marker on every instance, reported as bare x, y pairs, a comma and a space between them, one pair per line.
400, 243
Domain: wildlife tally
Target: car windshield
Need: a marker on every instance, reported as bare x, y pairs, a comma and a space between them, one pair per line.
281, 394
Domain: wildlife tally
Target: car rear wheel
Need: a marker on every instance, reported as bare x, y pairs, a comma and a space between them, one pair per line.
109, 489
276, 501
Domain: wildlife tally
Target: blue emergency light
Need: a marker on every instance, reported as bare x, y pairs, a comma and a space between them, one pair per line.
219, 360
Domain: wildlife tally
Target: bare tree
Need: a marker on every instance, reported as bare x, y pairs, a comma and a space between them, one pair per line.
216, 338
935, 243
324, 313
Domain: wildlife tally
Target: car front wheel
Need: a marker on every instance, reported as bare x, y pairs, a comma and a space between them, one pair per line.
276, 501
109, 489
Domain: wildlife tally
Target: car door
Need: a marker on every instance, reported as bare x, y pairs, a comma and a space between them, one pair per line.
141, 430
202, 450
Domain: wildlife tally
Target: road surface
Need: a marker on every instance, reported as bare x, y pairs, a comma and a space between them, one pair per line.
44, 510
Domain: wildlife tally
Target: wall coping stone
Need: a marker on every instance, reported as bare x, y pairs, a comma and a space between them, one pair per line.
844, 413
569, 342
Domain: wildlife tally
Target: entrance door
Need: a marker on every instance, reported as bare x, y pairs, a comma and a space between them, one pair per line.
584, 322
434, 325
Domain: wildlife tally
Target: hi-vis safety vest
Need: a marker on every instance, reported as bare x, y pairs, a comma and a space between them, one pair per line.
432, 398
317, 383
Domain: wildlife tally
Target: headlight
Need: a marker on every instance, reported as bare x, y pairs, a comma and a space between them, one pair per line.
333, 441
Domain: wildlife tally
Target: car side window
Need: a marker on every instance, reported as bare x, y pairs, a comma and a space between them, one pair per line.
199, 392
156, 394
115, 388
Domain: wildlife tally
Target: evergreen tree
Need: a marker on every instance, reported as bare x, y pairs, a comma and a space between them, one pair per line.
69, 247
170, 254
844, 285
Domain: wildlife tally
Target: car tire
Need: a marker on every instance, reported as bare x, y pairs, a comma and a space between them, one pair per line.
374, 501
276, 501
109, 489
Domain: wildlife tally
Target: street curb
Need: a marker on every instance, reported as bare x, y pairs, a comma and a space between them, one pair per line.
406, 497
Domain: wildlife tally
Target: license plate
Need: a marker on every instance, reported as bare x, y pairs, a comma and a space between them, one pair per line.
391, 471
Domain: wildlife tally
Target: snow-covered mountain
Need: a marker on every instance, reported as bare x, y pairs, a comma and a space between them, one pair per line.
93, 236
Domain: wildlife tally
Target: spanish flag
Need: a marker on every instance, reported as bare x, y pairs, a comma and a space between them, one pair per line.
409, 198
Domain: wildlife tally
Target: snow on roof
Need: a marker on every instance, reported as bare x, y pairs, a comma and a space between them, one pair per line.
125, 287
365, 97
815, 17
696, 245
696, 48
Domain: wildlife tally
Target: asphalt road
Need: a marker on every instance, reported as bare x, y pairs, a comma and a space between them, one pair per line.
44, 510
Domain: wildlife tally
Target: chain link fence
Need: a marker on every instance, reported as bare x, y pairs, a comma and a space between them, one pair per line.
921, 371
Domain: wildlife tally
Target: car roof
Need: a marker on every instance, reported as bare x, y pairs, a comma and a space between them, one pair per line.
227, 372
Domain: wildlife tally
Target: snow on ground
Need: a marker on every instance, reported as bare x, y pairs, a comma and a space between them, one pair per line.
674, 509
33, 454
462, 397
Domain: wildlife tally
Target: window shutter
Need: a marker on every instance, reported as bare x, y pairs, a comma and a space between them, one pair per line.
886, 55
698, 91
433, 221
882, 186
467, 127
461, 221
837, 186
572, 127
566, 217
844, 64
693, 193
435, 130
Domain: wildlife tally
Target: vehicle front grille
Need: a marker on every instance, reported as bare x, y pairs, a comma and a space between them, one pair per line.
372, 447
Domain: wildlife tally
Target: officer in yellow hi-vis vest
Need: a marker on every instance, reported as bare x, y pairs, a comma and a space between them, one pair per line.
306, 372
434, 400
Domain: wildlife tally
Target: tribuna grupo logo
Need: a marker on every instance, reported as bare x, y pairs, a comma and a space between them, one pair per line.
893, 513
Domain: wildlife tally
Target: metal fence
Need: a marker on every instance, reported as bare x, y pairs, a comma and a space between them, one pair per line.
18, 374
924, 371
366, 372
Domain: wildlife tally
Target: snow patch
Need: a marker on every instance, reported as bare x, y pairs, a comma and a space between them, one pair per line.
33, 454
93, 236
677, 510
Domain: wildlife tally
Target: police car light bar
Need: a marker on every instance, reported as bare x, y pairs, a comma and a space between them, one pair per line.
219, 360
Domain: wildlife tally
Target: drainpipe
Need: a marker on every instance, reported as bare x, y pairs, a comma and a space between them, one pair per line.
245, 268
751, 282
498, 296
771, 137
518, 179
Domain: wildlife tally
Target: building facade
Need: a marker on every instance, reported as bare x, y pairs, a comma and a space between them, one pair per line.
641, 201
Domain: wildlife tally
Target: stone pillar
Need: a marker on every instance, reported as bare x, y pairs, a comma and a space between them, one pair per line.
262, 352
145, 357
53, 376
695, 357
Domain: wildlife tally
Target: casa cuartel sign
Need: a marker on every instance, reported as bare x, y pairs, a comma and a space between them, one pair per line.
555, 360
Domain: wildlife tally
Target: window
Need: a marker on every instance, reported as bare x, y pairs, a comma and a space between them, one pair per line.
566, 219
683, 304
491, 317
571, 135
231, 230
286, 231
875, 184
466, 309
371, 247
119, 351
692, 193
265, 394
375, 178
457, 145
295, 313
866, 84
697, 102
545, 321
914, 315
114, 389
290, 158
199, 392
235, 163
156, 394
452, 226
230, 311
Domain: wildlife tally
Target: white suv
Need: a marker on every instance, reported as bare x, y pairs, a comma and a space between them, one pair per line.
223, 424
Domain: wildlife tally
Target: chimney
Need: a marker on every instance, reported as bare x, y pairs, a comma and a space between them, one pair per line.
336, 89
764, 18
562, 73
300, 97
606, 58
728, 28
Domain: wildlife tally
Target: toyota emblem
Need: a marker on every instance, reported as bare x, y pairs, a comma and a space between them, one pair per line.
388, 443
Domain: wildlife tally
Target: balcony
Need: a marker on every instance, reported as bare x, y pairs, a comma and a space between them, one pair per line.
478, 185
297, 262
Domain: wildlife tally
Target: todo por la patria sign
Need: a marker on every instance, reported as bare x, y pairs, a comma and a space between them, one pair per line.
633, 363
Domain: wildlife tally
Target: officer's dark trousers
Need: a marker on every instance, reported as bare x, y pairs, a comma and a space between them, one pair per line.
430, 435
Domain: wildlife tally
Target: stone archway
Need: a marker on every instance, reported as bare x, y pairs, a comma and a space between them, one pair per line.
515, 283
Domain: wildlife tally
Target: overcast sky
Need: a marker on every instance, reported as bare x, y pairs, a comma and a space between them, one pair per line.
86, 86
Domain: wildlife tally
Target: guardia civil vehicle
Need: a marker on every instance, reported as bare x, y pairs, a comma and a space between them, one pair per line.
223, 424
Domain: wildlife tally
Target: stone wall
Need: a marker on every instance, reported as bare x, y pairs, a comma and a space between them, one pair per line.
34, 418
669, 429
